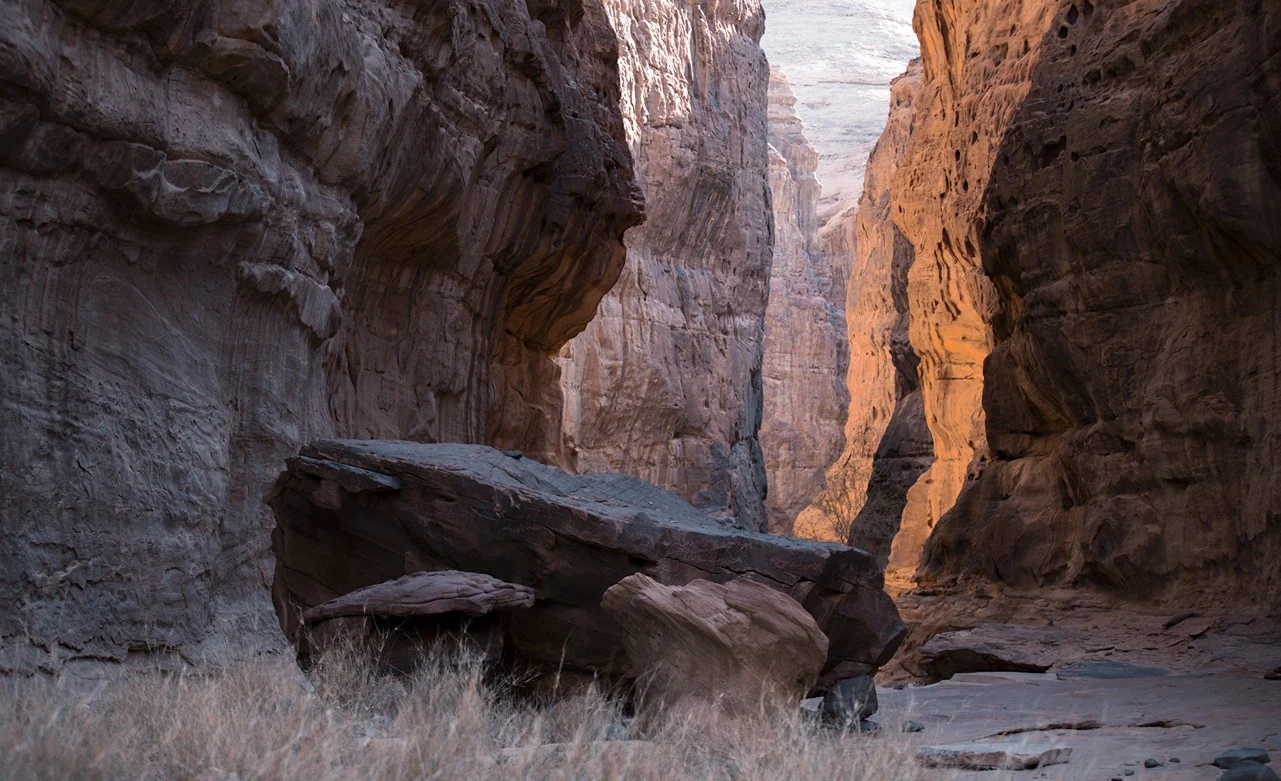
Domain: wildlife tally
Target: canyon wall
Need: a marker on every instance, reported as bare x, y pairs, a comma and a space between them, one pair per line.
887, 444
1092, 191
665, 383
805, 343
232, 227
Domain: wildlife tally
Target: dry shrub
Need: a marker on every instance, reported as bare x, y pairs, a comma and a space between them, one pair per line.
265, 720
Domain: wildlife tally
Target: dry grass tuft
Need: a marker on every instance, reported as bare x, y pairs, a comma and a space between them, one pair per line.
265, 720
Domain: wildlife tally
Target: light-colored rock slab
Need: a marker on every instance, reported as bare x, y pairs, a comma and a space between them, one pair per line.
993, 756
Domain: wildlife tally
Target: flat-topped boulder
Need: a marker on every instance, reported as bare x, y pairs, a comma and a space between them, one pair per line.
354, 513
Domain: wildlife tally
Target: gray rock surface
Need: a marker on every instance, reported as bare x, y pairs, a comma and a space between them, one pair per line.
1232, 758
568, 537
1250, 771
993, 756
850, 701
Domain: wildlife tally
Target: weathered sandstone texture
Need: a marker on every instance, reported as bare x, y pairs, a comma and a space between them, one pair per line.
397, 621
887, 445
805, 343
840, 57
351, 514
1093, 194
231, 227
740, 646
665, 383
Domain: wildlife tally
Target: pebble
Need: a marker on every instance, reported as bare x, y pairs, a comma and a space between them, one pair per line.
913, 726
1152, 762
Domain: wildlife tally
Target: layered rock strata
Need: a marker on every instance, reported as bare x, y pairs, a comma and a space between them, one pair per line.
805, 357
1093, 194
665, 383
351, 514
232, 227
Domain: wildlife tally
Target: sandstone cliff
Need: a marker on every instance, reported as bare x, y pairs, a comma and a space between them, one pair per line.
887, 444
665, 383
805, 343
1093, 194
231, 227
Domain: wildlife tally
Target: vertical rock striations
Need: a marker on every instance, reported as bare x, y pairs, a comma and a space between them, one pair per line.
665, 383
1128, 216
1092, 191
887, 444
805, 354
232, 227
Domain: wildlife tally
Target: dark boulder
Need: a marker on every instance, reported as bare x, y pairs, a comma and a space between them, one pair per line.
351, 514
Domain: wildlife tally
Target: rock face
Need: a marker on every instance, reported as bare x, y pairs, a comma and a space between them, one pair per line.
1119, 293
351, 514
887, 445
840, 56
1093, 195
234, 227
693, 292
740, 646
805, 343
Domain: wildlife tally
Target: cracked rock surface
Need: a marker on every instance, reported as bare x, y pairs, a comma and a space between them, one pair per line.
568, 537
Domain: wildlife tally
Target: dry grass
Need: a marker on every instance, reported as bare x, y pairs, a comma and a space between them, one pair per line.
264, 720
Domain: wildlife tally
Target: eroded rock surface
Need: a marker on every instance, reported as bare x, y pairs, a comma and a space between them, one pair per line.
805, 342
740, 646
665, 383
1112, 241
233, 227
1092, 195
887, 444
568, 537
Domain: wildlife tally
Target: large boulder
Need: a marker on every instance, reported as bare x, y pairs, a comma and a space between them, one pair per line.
740, 646
350, 514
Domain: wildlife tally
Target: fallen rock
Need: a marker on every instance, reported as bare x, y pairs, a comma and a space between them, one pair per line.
1152, 762
1250, 771
567, 537
738, 646
427, 594
993, 647
913, 726
1274, 675
394, 622
993, 756
851, 700
1230, 759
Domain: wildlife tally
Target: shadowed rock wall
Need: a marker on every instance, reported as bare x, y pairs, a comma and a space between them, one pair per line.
231, 227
